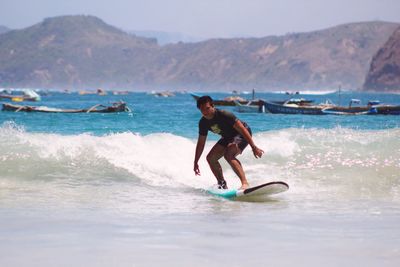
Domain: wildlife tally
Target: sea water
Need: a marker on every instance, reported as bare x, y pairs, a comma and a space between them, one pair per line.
119, 189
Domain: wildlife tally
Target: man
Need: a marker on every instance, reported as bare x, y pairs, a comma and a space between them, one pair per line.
236, 135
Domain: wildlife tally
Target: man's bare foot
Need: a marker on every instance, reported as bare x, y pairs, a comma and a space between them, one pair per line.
244, 186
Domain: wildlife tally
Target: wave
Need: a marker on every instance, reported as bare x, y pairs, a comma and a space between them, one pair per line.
339, 161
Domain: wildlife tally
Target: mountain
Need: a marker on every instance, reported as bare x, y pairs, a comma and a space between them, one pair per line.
73, 51
83, 51
384, 73
320, 59
3, 29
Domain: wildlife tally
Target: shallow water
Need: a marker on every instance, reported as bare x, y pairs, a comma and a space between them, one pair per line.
118, 189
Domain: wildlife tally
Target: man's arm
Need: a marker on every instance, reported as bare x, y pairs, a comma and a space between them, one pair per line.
245, 133
201, 141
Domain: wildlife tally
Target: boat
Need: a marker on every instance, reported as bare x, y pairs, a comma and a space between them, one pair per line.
98, 91
230, 101
297, 101
249, 108
295, 106
385, 110
373, 107
116, 107
350, 110
301, 106
28, 95
164, 94
120, 92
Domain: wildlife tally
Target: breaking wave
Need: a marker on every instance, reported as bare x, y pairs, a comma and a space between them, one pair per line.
334, 162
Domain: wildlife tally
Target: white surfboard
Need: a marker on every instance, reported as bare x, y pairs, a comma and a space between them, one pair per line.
261, 190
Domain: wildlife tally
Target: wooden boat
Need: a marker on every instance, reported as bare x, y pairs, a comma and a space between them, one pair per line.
346, 111
372, 108
297, 106
297, 101
28, 95
230, 101
294, 106
163, 94
116, 107
385, 110
249, 108
120, 92
99, 91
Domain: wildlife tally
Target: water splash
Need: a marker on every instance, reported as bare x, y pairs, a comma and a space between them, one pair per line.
336, 161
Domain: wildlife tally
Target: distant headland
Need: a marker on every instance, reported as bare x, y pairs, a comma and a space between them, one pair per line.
75, 52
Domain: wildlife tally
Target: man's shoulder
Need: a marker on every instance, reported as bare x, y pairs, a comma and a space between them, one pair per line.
203, 121
225, 113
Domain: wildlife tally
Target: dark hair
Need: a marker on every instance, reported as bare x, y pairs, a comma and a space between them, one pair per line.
204, 99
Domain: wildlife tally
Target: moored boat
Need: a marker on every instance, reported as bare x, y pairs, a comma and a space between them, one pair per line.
386, 110
249, 108
116, 107
372, 108
230, 101
298, 106
294, 106
28, 95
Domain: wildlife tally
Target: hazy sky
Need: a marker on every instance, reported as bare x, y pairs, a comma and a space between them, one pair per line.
206, 18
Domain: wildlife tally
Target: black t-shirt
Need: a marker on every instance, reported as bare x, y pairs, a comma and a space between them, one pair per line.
222, 124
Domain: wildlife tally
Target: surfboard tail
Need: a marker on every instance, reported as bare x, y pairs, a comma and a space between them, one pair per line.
273, 187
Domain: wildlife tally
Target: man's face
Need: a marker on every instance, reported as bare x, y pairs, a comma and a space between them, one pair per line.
207, 110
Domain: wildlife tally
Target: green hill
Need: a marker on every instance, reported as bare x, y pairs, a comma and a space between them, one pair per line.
82, 51
384, 73
72, 51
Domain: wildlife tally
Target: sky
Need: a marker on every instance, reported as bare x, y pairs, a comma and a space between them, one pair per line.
206, 18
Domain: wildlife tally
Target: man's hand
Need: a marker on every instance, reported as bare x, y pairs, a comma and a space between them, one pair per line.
196, 169
257, 152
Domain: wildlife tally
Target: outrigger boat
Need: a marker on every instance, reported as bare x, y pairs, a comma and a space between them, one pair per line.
28, 95
372, 108
297, 106
230, 101
249, 108
116, 107
294, 106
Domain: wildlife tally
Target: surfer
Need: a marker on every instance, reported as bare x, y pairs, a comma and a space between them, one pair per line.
236, 135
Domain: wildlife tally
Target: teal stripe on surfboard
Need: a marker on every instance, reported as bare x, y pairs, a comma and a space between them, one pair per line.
226, 193
265, 189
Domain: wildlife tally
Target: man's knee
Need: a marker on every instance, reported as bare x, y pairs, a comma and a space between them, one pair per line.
229, 156
212, 158
231, 152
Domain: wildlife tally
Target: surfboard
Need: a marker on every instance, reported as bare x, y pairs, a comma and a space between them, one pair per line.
261, 190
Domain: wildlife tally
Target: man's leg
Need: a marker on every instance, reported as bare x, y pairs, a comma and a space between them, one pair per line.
212, 158
230, 155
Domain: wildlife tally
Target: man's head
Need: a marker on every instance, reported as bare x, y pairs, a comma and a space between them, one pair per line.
206, 106
204, 99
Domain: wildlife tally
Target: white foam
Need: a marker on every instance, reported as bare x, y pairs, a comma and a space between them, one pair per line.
337, 160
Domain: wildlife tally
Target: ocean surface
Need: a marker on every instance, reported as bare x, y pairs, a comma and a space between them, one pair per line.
119, 189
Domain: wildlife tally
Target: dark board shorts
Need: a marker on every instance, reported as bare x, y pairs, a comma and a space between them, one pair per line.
237, 139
